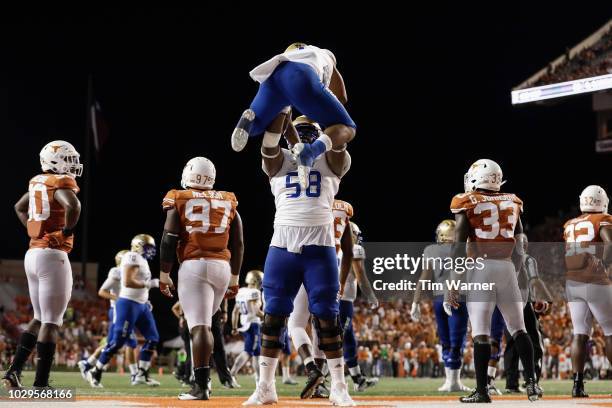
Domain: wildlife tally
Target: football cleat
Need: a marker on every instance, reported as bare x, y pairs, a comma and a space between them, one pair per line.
364, 383
339, 396
12, 380
492, 389
321, 392
532, 390
459, 386
313, 380
289, 381
143, 378
476, 397
231, 383
513, 390
196, 393
578, 390
264, 394
94, 378
240, 135
83, 368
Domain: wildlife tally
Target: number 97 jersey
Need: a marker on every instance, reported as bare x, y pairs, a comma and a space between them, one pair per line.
300, 207
492, 217
206, 216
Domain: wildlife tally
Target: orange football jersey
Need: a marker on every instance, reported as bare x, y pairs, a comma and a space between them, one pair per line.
583, 260
343, 212
45, 214
206, 216
492, 217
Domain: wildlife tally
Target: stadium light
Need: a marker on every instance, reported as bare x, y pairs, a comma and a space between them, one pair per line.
561, 89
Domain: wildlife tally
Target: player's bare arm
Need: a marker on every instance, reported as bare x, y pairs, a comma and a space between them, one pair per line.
172, 228
236, 246
462, 226
235, 319
177, 310
426, 274
270, 147
105, 294
364, 282
71, 204
336, 85
606, 237
346, 244
21, 209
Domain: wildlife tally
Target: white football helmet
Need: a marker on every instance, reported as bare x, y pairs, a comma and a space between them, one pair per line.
254, 278
62, 158
485, 174
594, 199
199, 172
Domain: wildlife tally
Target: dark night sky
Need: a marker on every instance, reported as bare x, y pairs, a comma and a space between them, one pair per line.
429, 91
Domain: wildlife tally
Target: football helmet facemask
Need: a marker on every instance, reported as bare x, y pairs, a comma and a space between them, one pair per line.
144, 244
61, 157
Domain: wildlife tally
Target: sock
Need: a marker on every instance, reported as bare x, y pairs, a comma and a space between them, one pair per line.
355, 371
92, 361
482, 353
320, 146
239, 362
336, 370
256, 368
579, 377
454, 375
492, 372
99, 366
285, 371
525, 348
202, 374
145, 365
133, 368
267, 369
27, 342
45, 352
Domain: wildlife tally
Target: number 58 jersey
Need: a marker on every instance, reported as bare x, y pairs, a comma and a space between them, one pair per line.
206, 216
308, 207
493, 218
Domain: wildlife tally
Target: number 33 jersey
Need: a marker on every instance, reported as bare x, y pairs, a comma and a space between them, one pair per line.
308, 207
206, 216
492, 217
45, 214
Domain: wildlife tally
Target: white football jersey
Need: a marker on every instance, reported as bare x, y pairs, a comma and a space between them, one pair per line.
440, 274
321, 60
249, 303
113, 282
143, 274
303, 217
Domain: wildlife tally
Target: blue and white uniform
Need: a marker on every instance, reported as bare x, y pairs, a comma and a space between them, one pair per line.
132, 311
452, 330
112, 284
303, 245
298, 78
346, 309
249, 303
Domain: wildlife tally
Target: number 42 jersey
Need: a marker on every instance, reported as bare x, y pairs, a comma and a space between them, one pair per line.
206, 216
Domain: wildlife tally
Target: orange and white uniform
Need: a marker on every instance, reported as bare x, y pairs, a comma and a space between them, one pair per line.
204, 274
48, 268
588, 287
492, 218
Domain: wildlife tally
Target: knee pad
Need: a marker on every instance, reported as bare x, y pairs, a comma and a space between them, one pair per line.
331, 331
482, 339
272, 330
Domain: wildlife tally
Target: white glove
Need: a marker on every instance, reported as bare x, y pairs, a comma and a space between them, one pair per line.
448, 309
415, 311
153, 283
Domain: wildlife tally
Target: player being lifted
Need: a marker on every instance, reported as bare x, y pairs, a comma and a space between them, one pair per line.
302, 251
132, 310
491, 221
49, 210
247, 311
110, 290
304, 77
588, 259
452, 327
204, 229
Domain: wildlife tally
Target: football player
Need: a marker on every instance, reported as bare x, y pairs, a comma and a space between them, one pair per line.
498, 325
110, 290
204, 229
302, 251
491, 221
452, 329
588, 259
247, 311
304, 77
50, 211
132, 310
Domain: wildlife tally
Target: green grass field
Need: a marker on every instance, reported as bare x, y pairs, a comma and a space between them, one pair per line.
118, 385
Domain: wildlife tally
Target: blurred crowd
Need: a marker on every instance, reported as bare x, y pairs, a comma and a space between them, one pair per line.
592, 61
